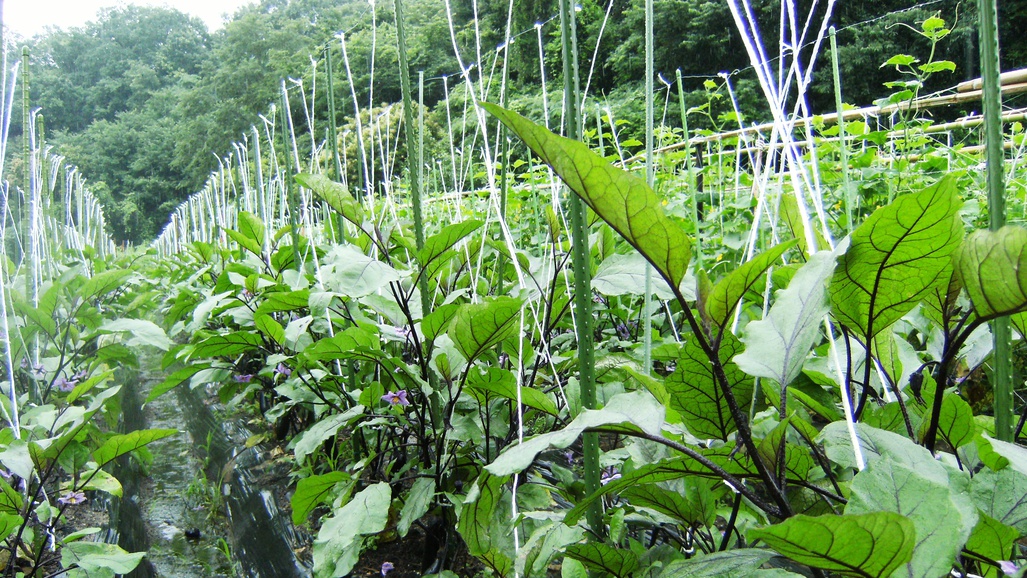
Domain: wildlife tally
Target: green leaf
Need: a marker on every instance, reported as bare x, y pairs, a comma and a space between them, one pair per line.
955, 423
696, 395
122, 444
418, 500
244, 241
777, 346
998, 455
939, 509
312, 492
896, 258
499, 382
478, 520
636, 411
731, 564
729, 291
938, 66
101, 480
335, 194
269, 327
353, 274
665, 470
252, 229
625, 275
343, 346
440, 242
685, 506
228, 345
314, 436
283, 301
596, 555
87, 385
871, 545
437, 321
1002, 495
621, 199
9, 523
992, 266
478, 327
138, 332
900, 60
340, 539
99, 559
992, 540
175, 379
103, 283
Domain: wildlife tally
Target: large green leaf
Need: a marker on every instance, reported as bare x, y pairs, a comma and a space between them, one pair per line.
335, 194
99, 559
440, 242
940, 510
696, 395
623, 200
495, 381
9, 523
340, 539
636, 411
621, 274
103, 283
314, 436
269, 327
689, 506
955, 422
346, 344
436, 322
418, 500
870, 545
175, 379
313, 491
608, 560
122, 444
250, 234
228, 345
138, 332
479, 523
1002, 495
741, 563
729, 291
896, 258
283, 301
777, 345
669, 469
481, 326
992, 540
353, 274
992, 266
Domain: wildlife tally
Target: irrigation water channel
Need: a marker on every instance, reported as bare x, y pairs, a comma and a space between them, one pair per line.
198, 508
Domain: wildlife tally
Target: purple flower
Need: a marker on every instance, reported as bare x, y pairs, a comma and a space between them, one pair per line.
38, 370
243, 377
72, 498
24, 363
1008, 568
65, 384
283, 370
387, 567
246, 294
81, 374
397, 398
609, 474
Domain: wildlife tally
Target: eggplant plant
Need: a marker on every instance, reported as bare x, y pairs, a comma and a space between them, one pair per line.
742, 454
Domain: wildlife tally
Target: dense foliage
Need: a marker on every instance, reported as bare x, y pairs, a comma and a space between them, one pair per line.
143, 99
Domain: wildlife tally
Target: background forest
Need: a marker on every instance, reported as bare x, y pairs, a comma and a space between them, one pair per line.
144, 100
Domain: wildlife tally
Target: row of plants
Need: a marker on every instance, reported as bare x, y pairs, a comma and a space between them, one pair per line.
72, 312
